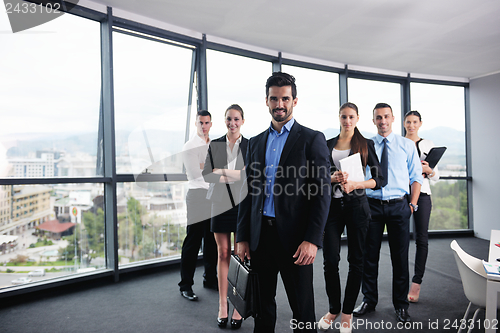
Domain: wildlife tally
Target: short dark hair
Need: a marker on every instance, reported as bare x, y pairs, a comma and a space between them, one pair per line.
413, 113
237, 108
381, 106
280, 79
203, 113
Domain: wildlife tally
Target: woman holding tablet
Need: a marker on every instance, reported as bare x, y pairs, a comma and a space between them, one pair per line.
412, 123
349, 208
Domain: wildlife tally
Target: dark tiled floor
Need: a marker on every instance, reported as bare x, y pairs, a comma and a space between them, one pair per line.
152, 303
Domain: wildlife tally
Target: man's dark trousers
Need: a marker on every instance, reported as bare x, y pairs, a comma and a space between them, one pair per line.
396, 216
268, 260
198, 207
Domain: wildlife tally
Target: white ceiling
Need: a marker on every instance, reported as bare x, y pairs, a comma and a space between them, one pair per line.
458, 38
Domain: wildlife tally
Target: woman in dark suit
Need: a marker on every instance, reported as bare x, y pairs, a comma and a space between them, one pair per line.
412, 123
349, 208
223, 170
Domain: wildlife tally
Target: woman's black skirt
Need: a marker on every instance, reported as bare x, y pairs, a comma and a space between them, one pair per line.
223, 220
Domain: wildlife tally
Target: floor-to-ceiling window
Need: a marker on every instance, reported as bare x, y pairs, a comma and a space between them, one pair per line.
318, 99
154, 97
442, 108
52, 221
235, 79
366, 94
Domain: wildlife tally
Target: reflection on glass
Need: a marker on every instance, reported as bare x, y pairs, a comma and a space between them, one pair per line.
366, 94
151, 220
51, 231
238, 80
449, 205
151, 86
443, 116
318, 99
49, 99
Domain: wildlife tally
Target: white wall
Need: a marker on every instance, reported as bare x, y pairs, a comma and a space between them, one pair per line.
485, 153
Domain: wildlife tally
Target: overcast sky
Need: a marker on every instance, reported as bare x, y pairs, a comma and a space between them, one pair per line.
50, 83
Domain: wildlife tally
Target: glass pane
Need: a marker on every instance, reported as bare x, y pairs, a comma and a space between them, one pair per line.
151, 82
449, 205
151, 220
443, 115
318, 103
49, 99
366, 94
239, 80
51, 231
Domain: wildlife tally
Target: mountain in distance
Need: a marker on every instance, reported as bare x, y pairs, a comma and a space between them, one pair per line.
172, 142
452, 139
167, 141
24, 145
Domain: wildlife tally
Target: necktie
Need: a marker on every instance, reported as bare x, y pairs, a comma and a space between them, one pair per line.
384, 163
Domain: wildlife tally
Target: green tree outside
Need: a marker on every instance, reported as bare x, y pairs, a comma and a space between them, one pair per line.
449, 205
88, 237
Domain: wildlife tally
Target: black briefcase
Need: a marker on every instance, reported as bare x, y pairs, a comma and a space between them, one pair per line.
243, 288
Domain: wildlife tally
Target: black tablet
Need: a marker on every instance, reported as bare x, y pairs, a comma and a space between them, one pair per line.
434, 156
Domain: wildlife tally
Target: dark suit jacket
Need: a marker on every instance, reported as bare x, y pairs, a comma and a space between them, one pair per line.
372, 162
219, 155
302, 207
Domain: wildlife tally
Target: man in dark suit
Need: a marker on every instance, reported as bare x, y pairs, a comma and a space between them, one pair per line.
281, 220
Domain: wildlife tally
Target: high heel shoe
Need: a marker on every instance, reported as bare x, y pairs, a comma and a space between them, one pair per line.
323, 324
414, 293
346, 329
222, 322
236, 323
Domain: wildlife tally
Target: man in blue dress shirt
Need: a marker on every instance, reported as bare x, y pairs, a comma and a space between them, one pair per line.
281, 220
391, 206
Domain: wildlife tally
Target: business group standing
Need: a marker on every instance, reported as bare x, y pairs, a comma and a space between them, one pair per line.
281, 220
277, 186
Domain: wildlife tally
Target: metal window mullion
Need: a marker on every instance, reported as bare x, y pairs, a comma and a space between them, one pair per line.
201, 70
405, 101
468, 159
111, 226
240, 52
153, 31
190, 96
343, 87
277, 64
45, 181
313, 66
163, 41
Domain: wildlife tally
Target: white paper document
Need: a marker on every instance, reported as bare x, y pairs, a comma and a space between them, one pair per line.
352, 165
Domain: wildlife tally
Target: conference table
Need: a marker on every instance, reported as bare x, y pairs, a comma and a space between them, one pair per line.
492, 287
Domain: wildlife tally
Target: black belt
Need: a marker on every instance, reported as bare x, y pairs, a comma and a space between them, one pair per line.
387, 202
270, 221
